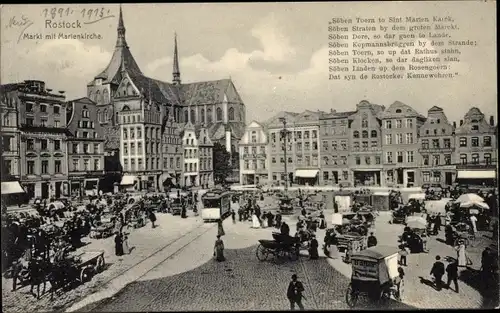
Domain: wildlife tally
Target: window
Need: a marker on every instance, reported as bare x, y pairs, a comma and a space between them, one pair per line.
29, 121
314, 134
365, 145
315, 145
374, 134
435, 159
57, 166
209, 115
364, 134
96, 148
43, 108
30, 144
487, 141
388, 124
139, 133
447, 159
325, 176
374, 144
436, 177
6, 143
43, 122
308, 161
356, 146
306, 134
409, 123
358, 160
343, 160
426, 176
409, 138
377, 160
447, 143
487, 158
364, 123
254, 136
45, 166
31, 167
132, 148
388, 139
388, 157
399, 123
85, 112
475, 141
409, 156
463, 159
475, 127
57, 145
140, 166
125, 148
435, 143
463, 141
399, 139
345, 175
355, 134
475, 158
325, 145
86, 165
425, 159
45, 144
57, 123
425, 143
307, 146
219, 114
290, 160
29, 107
367, 160
325, 160
343, 144
400, 156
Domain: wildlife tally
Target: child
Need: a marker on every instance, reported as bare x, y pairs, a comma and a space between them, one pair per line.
402, 255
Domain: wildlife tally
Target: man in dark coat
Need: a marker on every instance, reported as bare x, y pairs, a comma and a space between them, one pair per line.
119, 244
452, 273
438, 271
285, 229
371, 241
152, 218
313, 248
294, 293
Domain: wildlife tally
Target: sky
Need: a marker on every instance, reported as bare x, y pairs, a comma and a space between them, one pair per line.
275, 53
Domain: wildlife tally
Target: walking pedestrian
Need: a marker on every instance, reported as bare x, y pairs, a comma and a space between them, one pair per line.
313, 248
452, 274
16, 269
220, 228
118, 244
294, 293
152, 218
233, 216
371, 241
402, 255
219, 250
438, 271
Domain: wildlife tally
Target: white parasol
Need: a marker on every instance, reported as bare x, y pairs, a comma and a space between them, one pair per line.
468, 197
470, 204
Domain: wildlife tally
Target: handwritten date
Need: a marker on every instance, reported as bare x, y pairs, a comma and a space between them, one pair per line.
91, 15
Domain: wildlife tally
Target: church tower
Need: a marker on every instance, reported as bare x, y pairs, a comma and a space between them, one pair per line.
176, 73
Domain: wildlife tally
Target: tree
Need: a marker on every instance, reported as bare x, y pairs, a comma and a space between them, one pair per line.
222, 167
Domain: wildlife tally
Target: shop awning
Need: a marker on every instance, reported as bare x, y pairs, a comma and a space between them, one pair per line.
476, 174
306, 173
11, 187
128, 180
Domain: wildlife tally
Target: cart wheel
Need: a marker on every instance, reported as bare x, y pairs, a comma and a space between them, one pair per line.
261, 253
351, 297
99, 264
86, 274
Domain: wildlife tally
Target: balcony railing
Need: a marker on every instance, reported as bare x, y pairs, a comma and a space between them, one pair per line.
436, 149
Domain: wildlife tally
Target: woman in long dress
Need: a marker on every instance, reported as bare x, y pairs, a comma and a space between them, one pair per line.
264, 220
463, 259
219, 250
255, 221
220, 229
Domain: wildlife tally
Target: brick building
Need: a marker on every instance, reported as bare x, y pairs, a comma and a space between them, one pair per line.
334, 136
437, 149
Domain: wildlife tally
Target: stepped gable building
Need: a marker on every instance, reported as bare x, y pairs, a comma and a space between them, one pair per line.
437, 149
400, 131
476, 149
253, 155
365, 144
334, 135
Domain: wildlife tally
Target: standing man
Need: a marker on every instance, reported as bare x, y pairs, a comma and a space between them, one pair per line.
294, 293
452, 273
438, 271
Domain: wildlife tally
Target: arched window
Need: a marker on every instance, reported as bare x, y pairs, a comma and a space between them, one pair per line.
364, 134
130, 90
202, 118
186, 116
105, 115
98, 97
231, 114
364, 123
116, 117
355, 134
146, 133
398, 111
85, 111
105, 95
374, 134
219, 114
99, 116
158, 133
209, 115
193, 116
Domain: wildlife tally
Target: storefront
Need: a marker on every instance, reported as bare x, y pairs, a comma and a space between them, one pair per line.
477, 177
129, 182
366, 177
307, 177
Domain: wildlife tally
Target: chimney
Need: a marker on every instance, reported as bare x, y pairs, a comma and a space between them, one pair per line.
492, 121
454, 124
461, 122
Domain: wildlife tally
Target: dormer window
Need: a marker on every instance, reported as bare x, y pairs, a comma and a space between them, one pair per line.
85, 112
475, 127
398, 111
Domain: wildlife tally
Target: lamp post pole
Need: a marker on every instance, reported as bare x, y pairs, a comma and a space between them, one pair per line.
284, 135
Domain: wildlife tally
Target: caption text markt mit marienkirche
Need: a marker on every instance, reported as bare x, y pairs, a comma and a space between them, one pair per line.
50, 24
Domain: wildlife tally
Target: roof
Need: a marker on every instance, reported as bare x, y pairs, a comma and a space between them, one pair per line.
333, 115
377, 252
435, 109
8, 87
112, 72
39, 129
406, 111
209, 92
218, 130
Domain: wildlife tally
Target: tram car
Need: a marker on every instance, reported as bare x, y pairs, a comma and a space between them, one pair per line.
216, 205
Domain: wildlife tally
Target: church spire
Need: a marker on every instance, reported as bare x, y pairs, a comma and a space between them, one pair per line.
176, 72
120, 41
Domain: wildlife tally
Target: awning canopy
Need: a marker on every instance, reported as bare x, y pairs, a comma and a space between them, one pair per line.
11, 187
476, 174
128, 180
306, 173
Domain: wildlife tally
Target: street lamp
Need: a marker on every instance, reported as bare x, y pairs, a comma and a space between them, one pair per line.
284, 133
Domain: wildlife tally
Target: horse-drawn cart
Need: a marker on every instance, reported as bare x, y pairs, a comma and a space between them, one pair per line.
281, 247
87, 264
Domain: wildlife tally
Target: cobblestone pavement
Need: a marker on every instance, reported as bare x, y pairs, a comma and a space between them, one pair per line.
192, 280
144, 242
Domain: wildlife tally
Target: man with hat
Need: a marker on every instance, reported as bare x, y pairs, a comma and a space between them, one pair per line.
294, 293
313, 248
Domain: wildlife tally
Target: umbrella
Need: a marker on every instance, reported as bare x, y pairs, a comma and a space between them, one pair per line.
469, 204
469, 197
417, 224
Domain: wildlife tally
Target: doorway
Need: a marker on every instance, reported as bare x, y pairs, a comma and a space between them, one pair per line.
58, 189
400, 177
45, 190
335, 175
410, 182
448, 178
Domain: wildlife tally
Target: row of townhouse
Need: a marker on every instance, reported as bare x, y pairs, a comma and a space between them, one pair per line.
371, 146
